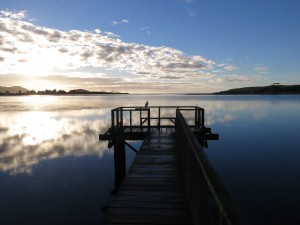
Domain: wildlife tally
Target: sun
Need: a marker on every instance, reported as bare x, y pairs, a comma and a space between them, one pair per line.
38, 71
37, 83
36, 67
40, 62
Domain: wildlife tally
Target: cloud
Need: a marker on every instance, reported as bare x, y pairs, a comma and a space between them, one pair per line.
234, 78
74, 49
191, 12
112, 35
261, 69
13, 15
146, 29
98, 31
120, 22
3, 129
228, 67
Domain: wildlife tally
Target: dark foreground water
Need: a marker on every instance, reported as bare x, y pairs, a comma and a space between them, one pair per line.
53, 169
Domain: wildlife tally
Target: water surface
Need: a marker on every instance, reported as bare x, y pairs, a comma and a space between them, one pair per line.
53, 169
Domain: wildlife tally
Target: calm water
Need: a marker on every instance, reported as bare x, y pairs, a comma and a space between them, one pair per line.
53, 169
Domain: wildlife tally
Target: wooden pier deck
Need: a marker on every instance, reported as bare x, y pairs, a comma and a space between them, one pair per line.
171, 180
153, 191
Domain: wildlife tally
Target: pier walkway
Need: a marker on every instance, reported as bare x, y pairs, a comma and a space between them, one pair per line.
171, 181
153, 191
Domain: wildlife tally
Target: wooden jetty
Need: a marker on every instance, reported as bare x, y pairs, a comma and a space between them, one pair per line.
171, 180
153, 190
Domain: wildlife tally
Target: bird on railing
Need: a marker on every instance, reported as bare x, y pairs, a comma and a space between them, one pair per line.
146, 104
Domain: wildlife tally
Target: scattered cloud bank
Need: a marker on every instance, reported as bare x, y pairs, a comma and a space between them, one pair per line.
96, 56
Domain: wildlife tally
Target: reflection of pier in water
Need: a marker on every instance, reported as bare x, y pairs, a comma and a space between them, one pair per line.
171, 180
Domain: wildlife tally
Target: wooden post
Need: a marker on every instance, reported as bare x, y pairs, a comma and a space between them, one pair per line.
149, 121
112, 118
119, 160
158, 125
202, 119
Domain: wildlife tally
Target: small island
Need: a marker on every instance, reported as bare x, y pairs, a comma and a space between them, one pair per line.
18, 90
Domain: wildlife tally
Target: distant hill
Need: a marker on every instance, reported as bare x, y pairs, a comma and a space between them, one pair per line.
79, 91
83, 91
18, 90
272, 89
12, 90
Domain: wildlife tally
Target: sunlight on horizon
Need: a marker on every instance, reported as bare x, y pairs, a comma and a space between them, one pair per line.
39, 102
38, 99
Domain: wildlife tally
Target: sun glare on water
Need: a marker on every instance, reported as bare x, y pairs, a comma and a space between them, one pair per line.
38, 124
39, 127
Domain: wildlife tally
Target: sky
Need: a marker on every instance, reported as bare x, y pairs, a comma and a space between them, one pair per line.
149, 46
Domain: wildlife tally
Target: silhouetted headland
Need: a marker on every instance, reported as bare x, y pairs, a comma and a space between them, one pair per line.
275, 88
18, 90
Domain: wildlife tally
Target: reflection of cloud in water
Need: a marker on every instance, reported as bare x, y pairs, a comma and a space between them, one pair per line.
229, 111
30, 137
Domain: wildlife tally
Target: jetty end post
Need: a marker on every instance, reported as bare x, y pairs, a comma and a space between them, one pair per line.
119, 161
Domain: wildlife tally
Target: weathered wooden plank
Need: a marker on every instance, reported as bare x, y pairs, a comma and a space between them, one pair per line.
143, 178
181, 212
156, 168
158, 154
156, 205
149, 181
172, 164
144, 182
153, 188
156, 175
156, 159
141, 156
155, 172
151, 193
135, 219
166, 199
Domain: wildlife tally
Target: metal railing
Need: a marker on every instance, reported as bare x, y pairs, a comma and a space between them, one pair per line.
210, 203
155, 118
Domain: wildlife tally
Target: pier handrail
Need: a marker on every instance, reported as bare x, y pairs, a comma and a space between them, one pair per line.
202, 180
154, 117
